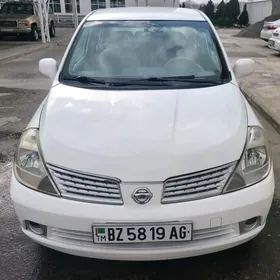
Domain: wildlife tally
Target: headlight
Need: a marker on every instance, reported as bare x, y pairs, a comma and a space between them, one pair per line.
29, 167
23, 22
255, 162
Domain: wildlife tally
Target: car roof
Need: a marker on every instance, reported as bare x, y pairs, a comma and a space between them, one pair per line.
146, 13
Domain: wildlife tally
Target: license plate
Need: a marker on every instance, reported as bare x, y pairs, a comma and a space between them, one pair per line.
271, 43
141, 233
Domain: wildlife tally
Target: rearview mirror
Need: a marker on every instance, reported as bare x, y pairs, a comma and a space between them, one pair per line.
243, 67
48, 67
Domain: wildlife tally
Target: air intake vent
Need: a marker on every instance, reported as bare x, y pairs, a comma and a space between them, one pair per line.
197, 185
86, 187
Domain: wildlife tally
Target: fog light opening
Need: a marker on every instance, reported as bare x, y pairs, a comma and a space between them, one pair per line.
249, 224
36, 228
251, 221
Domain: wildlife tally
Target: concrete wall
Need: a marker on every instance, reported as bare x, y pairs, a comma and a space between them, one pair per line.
257, 10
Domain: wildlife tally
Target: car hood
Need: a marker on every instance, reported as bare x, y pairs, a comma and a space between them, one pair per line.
143, 135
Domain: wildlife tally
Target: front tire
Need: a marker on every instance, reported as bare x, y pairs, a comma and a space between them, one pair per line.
34, 35
52, 30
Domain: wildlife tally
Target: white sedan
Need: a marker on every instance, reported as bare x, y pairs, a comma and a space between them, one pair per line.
144, 148
268, 29
274, 41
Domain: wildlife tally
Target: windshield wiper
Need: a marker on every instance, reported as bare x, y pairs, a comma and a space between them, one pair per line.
150, 81
163, 79
89, 80
187, 79
85, 80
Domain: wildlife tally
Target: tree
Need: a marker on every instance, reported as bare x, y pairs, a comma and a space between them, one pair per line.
232, 10
202, 7
183, 5
244, 17
275, 7
221, 9
209, 9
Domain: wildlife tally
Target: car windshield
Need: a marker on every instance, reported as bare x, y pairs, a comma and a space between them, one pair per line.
17, 8
130, 51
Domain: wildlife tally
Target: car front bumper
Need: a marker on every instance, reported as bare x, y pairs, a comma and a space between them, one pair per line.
274, 44
216, 222
14, 30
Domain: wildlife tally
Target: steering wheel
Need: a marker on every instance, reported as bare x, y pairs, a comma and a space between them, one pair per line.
182, 65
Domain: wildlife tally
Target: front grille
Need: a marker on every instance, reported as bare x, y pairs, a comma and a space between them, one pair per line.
86, 187
84, 238
196, 185
8, 23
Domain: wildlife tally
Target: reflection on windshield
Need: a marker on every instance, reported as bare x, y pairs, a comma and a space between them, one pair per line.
144, 49
14, 8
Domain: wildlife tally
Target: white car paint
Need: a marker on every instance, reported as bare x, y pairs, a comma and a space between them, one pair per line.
143, 138
73, 220
145, 130
266, 34
268, 29
155, 13
274, 41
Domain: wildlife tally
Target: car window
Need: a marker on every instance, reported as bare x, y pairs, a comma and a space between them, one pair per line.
80, 49
17, 8
130, 49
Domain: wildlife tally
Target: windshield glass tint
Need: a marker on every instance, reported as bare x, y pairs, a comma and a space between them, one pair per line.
142, 49
14, 8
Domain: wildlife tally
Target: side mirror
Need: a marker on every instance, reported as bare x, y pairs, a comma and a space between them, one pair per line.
243, 67
48, 67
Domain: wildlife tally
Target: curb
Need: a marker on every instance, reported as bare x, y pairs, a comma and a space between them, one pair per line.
33, 50
16, 55
267, 115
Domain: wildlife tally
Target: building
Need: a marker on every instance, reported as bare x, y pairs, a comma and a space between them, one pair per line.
63, 8
257, 9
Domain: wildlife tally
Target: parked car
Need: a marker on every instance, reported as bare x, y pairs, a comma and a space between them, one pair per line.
20, 18
268, 29
274, 41
144, 148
